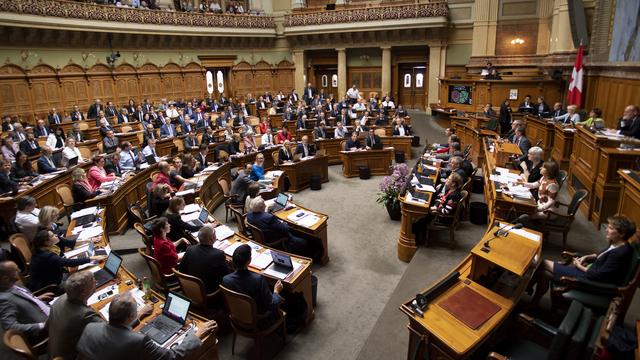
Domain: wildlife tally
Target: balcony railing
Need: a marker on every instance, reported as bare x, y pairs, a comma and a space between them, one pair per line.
93, 12
364, 14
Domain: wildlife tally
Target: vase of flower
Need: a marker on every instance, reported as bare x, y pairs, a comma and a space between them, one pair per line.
390, 188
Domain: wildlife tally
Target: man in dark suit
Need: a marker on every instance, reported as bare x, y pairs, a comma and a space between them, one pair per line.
20, 310
167, 130
110, 110
149, 133
287, 115
455, 165
30, 145
139, 114
629, 123
302, 122
190, 141
353, 142
526, 106
255, 286
400, 128
110, 142
240, 185
199, 118
319, 132
117, 340
372, 141
46, 163
261, 104
76, 133
343, 117
95, 109
201, 156
41, 129
54, 118
523, 143
557, 110
309, 94
304, 148
123, 116
146, 106
112, 165
208, 137
204, 261
541, 109
76, 114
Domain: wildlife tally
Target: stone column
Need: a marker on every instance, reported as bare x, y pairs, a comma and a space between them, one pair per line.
298, 60
435, 69
297, 4
561, 39
485, 23
386, 70
342, 73
545, 10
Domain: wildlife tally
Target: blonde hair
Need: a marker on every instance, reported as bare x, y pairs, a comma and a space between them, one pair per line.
48, 215
77, 174
572, 107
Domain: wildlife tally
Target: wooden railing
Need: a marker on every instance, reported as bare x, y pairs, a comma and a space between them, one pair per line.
369, 13
93, 12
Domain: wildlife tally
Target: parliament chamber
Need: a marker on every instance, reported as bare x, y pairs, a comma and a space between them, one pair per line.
286, 179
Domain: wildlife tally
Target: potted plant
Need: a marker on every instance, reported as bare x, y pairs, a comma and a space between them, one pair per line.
390, 188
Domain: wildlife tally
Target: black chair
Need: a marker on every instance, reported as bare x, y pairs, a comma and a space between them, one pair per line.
558, 222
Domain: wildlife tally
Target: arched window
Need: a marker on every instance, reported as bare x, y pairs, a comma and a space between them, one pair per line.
419, 80
334, 80
325, 81
220, 81
209, 82
407, 80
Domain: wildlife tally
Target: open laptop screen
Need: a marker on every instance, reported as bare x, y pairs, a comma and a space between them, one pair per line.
281, 259
282, 199
176, 307
204, 216
113, 263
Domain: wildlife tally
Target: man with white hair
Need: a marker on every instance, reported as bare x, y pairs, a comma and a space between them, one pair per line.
204, 261
274, 229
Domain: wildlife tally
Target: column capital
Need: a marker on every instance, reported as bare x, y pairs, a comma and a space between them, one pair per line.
385, 47
297, 51
341, 49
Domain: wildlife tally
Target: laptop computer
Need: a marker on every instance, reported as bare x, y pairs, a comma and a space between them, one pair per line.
202, 218
167, 324
109, 271
281, 263
418, 195
83, 220
280, 203
72, 162
424, 180
150, 159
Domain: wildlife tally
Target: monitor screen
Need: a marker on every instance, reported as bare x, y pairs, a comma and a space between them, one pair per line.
282, 199
176, 307
281, 259
204, 216
113, 263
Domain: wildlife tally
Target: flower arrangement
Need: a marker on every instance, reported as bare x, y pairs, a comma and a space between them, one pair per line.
391, 185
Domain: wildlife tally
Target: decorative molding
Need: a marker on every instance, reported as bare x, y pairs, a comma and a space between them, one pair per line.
94, 12
371, 13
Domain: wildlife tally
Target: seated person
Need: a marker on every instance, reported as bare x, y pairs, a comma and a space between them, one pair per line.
204, 261
267, 140
159, 202
257, 170
253, 191
20, 310
532, 165
274, 229
7, 186
570, 118
547, 188
71, 152
283, 135
128, 160
340, 131
249, 143
26, 219
47, 266
247, 282
594, 120
180, 173
240, 185
526, 106
359, 128
21, 171
629, 123
445, 202
81, 189
46, 163
523, 143
320, 132
112, 165
30, 145
56, 139
178, 227
454, 166
557, 110
110, 142
487, 111
400, 128
117, 340
163, 177
201, 156
353, 143
284, 153
372, 141
541, 109
190, 141
97, 174
9, 149
610, 266
164, 250
452, 149
304, 148
150, 150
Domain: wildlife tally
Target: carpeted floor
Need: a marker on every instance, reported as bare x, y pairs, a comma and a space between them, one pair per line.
361, 288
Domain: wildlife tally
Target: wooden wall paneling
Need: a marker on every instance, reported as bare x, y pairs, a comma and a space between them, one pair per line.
101, 84
150, 83
173, 82
14, 91
263, 78
195, 82
612, 95
126, 84
75, 90
45, 89
367, 79
284, 79
243, 79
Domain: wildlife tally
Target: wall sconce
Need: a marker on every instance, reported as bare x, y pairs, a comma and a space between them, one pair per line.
517, 41
365, 57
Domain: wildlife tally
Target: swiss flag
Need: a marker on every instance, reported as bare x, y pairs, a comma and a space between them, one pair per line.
574, 97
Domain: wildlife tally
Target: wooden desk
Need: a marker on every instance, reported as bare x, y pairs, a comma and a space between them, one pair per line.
94, 132
299, 173
296, 282
317, 232
562, 145
503, 152
92, 145
378, 161
585, 164
439, 334
166, 147
210, 192
541, 130
332, 149
629, 201
608, 186
132, 137
399, 143
239, 160
471, 136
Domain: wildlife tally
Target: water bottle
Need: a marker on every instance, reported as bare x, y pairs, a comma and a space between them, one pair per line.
146, 286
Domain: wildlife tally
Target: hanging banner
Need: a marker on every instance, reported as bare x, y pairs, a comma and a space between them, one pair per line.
220, 79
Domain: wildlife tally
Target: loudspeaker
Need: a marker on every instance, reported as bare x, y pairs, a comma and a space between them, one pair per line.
578, 21
330, 7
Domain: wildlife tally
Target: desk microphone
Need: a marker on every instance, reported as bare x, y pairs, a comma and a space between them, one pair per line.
500, 232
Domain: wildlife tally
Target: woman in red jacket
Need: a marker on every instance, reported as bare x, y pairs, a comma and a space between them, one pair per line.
164, 250
97, 174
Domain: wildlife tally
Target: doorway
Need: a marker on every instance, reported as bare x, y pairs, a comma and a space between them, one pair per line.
326, 78
412, 85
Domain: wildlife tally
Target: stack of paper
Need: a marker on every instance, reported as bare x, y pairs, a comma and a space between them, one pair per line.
223, 232
231, 248
137, 294
190, 208
260, 261
86, 211
105, 293
273, 174
185, 192
308, 221
90, 233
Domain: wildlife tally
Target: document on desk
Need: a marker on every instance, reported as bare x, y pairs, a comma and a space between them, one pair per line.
137, 294
521, 232
90, 233
185, 192
190, 208
260, 261
273, 174
223, 232
87, 211
190, 216
105, 293
231, 248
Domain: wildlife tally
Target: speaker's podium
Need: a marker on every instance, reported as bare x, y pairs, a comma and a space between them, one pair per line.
466, 308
